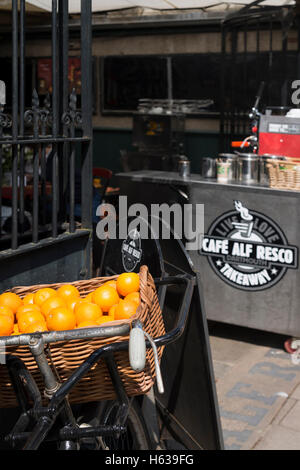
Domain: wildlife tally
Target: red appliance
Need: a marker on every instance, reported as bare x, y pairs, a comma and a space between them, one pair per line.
279, 135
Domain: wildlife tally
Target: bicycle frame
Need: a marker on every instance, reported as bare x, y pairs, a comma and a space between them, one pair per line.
45, 417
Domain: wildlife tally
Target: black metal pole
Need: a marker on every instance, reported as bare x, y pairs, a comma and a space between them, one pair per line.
15, 99
245, 107
35, 209
46, 111
270, 64
284, 90
72, 188
86, 95
39, 433
222, 91
73, 101
22, 108
1, 177
258, 55
63, 8
233, 97
55, 121
298, 52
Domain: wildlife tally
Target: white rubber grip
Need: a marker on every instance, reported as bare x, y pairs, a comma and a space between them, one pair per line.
137, 349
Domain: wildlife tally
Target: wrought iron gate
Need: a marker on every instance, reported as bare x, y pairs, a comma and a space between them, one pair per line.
46, 217
256, 49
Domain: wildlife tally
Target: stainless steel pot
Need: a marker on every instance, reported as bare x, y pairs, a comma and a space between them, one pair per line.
248, 168
263, 169
184, 168
209, 167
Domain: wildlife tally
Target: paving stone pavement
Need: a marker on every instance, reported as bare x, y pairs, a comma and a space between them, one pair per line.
258, 389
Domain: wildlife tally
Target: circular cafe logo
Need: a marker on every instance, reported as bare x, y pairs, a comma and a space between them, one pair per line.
248, 250
131, 251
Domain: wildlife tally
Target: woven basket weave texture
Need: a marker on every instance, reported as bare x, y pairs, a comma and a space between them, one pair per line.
68, 355
284, 175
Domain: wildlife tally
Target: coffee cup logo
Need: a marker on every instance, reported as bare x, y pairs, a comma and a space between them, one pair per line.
131, 251
248, 250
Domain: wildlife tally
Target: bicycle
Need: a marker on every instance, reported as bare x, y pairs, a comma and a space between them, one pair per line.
107, 425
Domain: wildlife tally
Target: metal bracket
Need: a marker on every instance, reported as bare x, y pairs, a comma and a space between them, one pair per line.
37, 346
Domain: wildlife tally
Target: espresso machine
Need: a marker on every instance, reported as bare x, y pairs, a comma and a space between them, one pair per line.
276, 132
275, 135
280, 134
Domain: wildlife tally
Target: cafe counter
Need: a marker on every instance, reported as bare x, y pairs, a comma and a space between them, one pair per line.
247, 254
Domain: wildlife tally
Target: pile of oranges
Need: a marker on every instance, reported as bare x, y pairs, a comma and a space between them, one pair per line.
64, 309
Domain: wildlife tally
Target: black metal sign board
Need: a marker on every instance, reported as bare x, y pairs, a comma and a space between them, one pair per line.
248, 250
131, 251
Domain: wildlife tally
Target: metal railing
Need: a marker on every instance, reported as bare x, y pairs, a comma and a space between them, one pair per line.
48, 147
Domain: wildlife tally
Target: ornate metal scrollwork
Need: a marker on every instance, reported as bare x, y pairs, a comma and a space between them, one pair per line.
31, 115
46, 116
37, 116
72, 117
5, 119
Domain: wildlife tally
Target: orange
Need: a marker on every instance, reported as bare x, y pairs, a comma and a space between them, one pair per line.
88, 324
11, 300
43, 294
89, 297
71, 303
127, 283
16, 330
78, 302
105, 319
111, 284
134, 296
51, 303
67, 291
105, 297
112, 310
28, 299
28, 318
7, 312
87, 311
27, 308
6, 325
125, 309
37, 326
60, 319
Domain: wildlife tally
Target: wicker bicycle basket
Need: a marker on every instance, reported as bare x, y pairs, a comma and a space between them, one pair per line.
284, 174
66, 356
